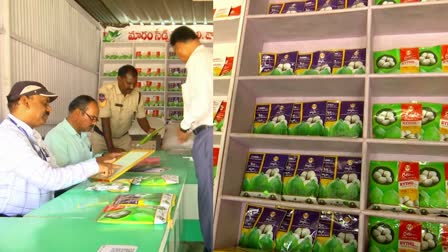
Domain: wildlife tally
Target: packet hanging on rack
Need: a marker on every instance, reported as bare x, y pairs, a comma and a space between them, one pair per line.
156, 180
119, 185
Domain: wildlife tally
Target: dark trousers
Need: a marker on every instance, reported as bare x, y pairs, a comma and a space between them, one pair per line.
203, 162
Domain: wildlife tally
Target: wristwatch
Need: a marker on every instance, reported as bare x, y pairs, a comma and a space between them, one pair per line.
184, 131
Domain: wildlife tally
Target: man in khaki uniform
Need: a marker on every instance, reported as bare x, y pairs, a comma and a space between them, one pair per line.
120, 103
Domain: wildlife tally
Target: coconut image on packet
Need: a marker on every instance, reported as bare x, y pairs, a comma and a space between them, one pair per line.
293, 7
301, 179
119, 185
285, 63
298, 231
260, 227
119, 214
263, 177
156, 180
433, 188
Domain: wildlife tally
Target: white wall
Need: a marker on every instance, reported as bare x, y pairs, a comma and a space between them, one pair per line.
56, 43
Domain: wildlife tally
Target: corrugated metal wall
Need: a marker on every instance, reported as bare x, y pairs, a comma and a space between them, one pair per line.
53, 43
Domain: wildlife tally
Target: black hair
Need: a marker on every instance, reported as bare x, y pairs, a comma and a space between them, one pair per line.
182, 34
12, 104
127, 69
81, 102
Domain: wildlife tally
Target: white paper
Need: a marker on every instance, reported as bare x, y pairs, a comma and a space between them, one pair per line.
117, 248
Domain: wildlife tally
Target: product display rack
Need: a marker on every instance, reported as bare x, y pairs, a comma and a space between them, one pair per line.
227, 36
374, 28
165, 61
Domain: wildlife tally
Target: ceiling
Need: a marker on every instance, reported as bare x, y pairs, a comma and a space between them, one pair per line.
120, 13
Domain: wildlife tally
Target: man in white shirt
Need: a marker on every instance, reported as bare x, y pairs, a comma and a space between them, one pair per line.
197, 93
27, 176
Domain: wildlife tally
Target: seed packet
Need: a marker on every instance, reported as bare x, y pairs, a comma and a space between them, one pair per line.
430, 59
387, 61
298, 231
431, 117
227, 68
156, 180
267, 181
444, 58
313, 119
275, 8
295, 119
293, 7
409, 58
285, 63
433, 188
266, 63
303, 65
279, 119
119, 185
261, 119
260, 227
383, 234
119, 214
301, 180
149, 199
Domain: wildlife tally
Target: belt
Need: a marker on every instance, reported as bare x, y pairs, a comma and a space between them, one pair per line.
200, 128
97, 130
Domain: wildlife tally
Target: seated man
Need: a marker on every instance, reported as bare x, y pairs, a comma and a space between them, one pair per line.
27, 179
69, 141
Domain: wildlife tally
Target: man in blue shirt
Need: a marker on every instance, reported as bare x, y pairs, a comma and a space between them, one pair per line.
69, 142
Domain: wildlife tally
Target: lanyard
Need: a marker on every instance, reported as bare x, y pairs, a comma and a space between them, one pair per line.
40, 152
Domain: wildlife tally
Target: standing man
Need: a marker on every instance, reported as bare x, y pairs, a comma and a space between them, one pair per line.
197, 93
27, 178
120, 103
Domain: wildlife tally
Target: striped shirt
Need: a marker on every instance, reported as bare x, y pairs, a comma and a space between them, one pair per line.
26, 179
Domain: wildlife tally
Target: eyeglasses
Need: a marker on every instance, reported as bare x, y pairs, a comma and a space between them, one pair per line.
92, 118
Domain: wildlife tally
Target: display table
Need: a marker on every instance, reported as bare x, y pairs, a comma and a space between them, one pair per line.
68, 223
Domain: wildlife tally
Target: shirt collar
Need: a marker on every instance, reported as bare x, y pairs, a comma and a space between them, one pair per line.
193, 55
69, 128
117, 89
23, 125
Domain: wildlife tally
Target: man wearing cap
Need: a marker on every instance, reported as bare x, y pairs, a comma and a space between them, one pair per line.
120, 103
197, 93
27, 178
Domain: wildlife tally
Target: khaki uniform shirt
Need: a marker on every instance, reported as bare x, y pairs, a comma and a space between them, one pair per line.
121, 110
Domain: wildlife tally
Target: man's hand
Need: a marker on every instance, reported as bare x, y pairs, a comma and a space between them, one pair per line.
107, 169
182, 137
116, 150
109, 157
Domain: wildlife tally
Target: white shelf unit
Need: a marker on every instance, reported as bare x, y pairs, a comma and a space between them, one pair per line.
227, 36
373, 28
165, 62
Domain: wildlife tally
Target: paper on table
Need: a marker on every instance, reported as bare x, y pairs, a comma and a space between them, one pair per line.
117, 248
126, 162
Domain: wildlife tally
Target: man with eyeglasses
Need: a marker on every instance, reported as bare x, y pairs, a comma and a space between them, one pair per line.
28, 173
69, 141
120, 103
